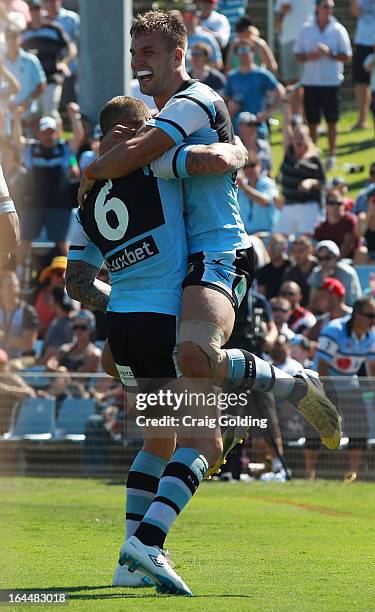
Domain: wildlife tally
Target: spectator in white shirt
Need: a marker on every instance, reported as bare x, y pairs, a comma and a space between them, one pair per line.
215, 22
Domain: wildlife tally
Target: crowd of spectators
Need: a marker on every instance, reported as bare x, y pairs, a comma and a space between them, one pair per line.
311, 235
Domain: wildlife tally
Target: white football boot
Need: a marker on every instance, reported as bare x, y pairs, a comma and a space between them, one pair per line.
123, 577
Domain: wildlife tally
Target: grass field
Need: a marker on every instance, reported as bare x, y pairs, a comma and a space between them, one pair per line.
353, 146
302, 546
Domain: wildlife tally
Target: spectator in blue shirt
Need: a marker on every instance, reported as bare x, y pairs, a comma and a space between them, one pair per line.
196, 34
344, 346
249, 88
257, 198
361, 203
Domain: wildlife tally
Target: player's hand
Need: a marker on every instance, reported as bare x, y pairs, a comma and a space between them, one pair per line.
85, 187
119, 133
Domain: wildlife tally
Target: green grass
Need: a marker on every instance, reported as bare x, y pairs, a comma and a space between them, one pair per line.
302, 546
356, 147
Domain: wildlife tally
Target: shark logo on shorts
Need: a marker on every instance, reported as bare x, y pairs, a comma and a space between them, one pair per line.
221, 273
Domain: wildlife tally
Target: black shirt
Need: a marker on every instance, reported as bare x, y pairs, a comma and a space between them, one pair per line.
272, 277
49, 43
293, 171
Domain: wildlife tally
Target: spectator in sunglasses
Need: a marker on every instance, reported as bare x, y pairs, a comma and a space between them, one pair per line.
81, 355
339, 226
281, 310
328, 254
202, 71
300, 318
50, 277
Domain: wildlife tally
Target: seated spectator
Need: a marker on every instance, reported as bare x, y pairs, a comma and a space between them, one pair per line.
52, 276
365, 253
300, 348
280, 355
52, 166
13, 389
263, 55
270, 276
216, 23
340, 184
81, 355
252, 89
28, 71
361, 202
257, 197
202, 71
328, 254
247, 131
55, 52
300, 318
281, 310
302, 255
196, 34
60, 331
302, 179
339, 226
332, 306
18, 320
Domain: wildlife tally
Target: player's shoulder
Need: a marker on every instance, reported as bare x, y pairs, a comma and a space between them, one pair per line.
196, 90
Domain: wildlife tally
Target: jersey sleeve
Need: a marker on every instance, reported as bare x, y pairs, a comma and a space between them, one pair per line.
6, 202
183, 116
172, 164
82, 247
327, 344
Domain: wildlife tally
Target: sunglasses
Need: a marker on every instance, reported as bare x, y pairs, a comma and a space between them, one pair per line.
198, 54
82, 327
279, 309
243, 49
324, 257
334, 202
59, 273
368, 315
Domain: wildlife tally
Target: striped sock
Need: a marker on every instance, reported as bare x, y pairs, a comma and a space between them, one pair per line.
141, 488
181, 478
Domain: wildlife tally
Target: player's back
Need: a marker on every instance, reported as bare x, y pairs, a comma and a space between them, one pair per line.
136, 224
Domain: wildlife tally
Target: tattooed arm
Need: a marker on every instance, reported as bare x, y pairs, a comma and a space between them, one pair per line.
218, 158
83, 286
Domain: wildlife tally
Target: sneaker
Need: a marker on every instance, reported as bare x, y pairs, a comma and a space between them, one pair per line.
152, 561
234, 434
319, 411
123, 577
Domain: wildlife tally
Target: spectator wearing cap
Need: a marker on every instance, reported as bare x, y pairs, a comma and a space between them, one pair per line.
71, 23
301, 319
51, 276
12, 389
51, 166
257, 197
281, 310
341, 185
28, 71
215, 22
81, 355
346, 345
248, 132
323, 46
60, 331
19, 322
328, 254
365, 253
332, 305
300, 349
270, 276
246, 32
302, 179
196, 33
339, 225
55, 51
202, 71
364, 39
304, 263
361, 203
252, 89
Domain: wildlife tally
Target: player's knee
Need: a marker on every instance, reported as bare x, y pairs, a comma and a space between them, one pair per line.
193, 361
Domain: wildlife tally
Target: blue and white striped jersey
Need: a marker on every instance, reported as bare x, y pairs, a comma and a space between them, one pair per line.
196, 114
342, 350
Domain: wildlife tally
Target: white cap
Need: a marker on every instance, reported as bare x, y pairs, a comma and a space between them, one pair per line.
47, 123
330, 246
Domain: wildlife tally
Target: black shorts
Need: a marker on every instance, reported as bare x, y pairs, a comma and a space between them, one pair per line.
143, 346
320, 101
231, 272
360, 75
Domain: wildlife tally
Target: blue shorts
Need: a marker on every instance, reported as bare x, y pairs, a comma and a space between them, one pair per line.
55, 221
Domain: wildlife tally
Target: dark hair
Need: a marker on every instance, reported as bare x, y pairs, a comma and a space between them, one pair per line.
360, 304
243, 23
169, 26
125, 110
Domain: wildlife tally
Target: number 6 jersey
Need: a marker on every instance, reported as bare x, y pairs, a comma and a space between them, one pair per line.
135, 224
